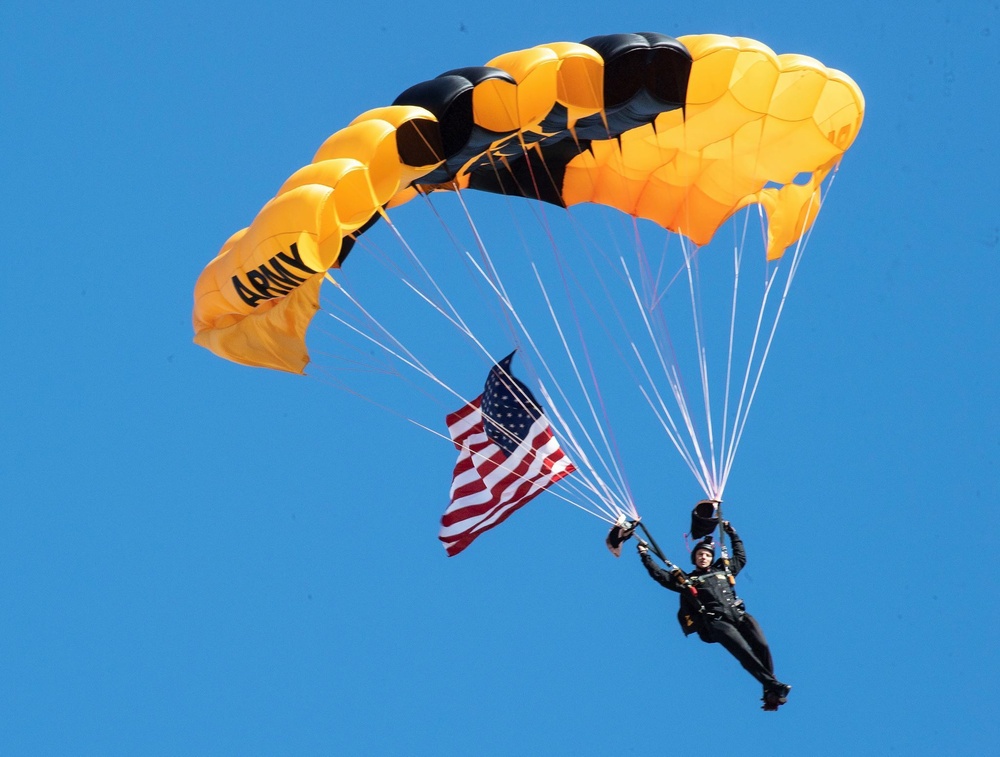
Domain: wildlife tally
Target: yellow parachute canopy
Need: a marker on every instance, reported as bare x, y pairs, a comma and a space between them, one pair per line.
683, 132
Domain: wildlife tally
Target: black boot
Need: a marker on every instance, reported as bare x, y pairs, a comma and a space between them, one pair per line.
775, 695
781, 691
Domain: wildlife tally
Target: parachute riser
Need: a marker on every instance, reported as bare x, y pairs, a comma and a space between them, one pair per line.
678, 572
655, 547
723, 552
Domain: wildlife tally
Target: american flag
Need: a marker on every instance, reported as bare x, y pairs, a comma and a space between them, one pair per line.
507, 455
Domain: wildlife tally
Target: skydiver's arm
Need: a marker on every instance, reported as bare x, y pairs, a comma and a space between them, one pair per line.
663, 577
739, 558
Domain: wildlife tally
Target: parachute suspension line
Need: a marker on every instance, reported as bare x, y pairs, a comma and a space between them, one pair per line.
617, 474
527, 334
655, 291
597, 491
651, 283
694, 288
742, 412
602, 514
409, 358
651, 290
496, 282
709, 481
611, 445
457, 320
459, 247
697, 321
673, 380
481, 246
507, 200
651, 286
492, 278
331, 381
739, 245
673, 435
598, 487
800, 247
587, 243
454, 318
417, 366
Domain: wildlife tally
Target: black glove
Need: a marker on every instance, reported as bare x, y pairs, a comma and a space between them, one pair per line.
641, 547
728, 528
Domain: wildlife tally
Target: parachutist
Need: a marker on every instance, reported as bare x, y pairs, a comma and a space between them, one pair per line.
710, 608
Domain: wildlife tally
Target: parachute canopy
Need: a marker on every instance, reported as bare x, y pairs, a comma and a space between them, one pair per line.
683, 132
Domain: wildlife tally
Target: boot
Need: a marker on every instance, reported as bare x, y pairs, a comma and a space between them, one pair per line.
781, 691
775, 695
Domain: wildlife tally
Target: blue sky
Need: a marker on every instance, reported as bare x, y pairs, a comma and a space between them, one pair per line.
201, 558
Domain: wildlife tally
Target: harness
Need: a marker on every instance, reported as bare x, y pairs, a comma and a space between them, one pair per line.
691, 624
688, 624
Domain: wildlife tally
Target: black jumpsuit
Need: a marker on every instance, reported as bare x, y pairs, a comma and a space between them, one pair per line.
717, 615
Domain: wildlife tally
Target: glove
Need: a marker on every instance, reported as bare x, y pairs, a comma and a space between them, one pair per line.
641, 547
728, 527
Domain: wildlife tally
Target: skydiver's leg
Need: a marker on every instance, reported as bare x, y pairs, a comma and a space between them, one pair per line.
751, 631
730, 637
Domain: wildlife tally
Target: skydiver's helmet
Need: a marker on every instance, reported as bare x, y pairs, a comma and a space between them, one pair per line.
705, 543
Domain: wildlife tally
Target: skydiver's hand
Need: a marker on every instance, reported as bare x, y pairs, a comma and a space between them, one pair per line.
728, 527
641, 547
